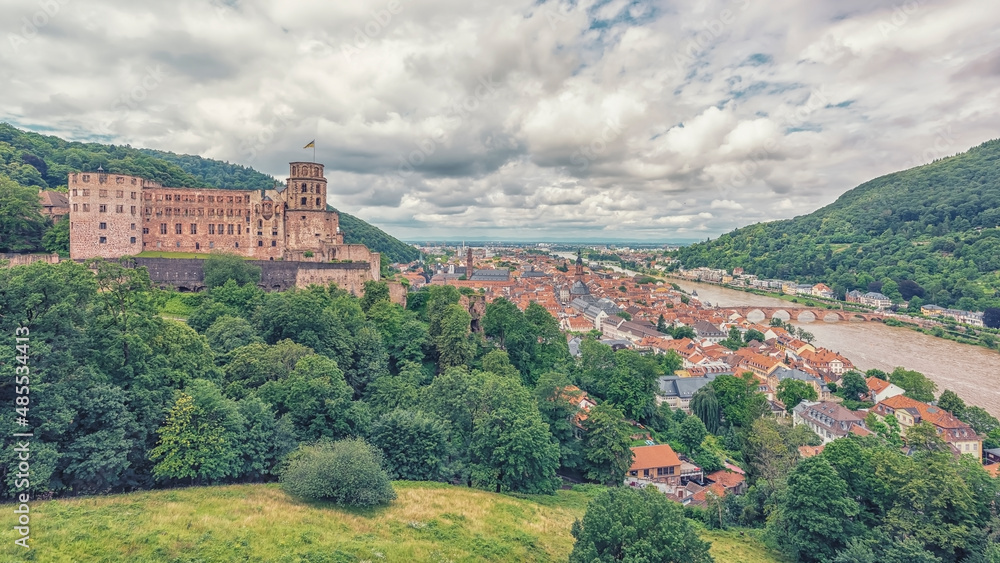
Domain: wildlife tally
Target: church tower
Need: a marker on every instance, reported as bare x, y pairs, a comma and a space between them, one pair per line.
307, 187
579, 264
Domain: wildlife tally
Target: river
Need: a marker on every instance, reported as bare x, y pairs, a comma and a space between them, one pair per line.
971, 371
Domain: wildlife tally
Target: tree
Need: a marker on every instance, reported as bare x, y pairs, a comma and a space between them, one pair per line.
739, 400
853, 386
21, 221
793, 391
511, 449
624, 524
415, 444
198, 442
952, 403
220, 267
597, 360
682, 332
705, 405
767, 456
916, 384
606, 445
229, 333
815, 518
347, 472
691, 433
56, 237
754, 334
632, 382
991, 317
661, 325
557, 402
374, 291
454, 343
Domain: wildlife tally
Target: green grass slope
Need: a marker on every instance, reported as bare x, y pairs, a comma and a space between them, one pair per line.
427, 522
934, 226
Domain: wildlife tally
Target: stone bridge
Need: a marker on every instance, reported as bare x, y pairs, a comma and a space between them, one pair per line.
802, 314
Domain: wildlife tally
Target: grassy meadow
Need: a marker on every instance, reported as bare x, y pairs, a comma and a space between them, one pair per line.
260, 523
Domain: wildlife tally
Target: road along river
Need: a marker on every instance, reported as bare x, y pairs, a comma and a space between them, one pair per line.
971, 371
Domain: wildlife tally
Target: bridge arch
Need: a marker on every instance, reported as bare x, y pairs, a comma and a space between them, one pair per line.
832, 317
806, 316
756, 315
781, 314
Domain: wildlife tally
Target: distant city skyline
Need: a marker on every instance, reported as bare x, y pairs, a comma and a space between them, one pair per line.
612, 120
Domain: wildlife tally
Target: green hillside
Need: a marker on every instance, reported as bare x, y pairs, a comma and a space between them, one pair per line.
32, 160
427, 522
930, 232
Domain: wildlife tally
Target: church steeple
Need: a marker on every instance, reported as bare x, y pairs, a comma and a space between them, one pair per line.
579, 263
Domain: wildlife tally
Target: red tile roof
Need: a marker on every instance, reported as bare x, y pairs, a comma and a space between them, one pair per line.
648, 457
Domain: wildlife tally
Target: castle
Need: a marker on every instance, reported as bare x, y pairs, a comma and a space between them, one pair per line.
115, 215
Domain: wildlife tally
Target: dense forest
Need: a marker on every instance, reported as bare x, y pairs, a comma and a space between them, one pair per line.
30, 161
254, 385
932, 231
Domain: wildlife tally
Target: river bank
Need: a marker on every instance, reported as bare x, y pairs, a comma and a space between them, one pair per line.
971, 371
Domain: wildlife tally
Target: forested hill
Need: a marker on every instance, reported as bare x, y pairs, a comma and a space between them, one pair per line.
44, 161
930, 232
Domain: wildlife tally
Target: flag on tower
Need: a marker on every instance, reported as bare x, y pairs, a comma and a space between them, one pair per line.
311, 145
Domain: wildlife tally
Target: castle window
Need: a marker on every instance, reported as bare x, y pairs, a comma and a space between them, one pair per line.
197, 246
211, 199
132, 227
102, 193
229, 229
260, 243
237, 245
201, 199
229, 212
133, 181
221, 227
260, 224
229, 199
74, 191
211, 244
86, 178
133, 210
169, 197
103, 208
119, 180
201, 211
177, 197
102, 225
74, 207
211, 228
85, 191
103, 240
120, 194
274, 243
133, 193
169, 211
303, 201
119, 209
239, 230
239, 199
317, 202
177, 244
86, 207
145, 230
131, 240
178, 229
194, 228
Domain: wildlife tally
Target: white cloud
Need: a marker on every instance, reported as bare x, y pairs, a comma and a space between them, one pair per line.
441, 118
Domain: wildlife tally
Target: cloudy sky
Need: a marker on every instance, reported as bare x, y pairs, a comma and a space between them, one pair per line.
521, 119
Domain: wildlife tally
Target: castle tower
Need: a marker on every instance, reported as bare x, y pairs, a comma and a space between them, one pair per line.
307, 187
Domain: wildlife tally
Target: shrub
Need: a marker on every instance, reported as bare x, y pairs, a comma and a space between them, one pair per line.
221, 267
348, 472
